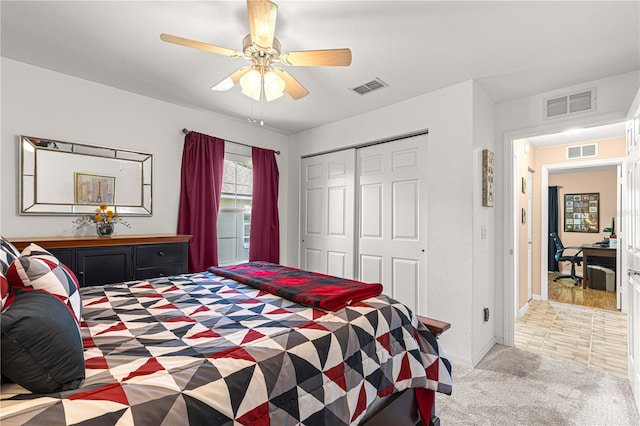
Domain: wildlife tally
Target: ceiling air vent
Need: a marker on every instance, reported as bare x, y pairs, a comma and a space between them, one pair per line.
582, 151
572, 103
369, 87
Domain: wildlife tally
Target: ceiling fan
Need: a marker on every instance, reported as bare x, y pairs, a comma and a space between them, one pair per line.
263, 49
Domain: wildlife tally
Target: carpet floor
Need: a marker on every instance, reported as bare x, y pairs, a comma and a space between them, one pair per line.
514, 387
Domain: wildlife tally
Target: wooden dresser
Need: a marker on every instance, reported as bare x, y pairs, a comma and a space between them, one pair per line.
97, 261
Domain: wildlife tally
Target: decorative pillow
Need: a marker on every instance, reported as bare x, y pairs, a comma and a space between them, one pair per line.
8, 253
38, 269
6, 293
41, 344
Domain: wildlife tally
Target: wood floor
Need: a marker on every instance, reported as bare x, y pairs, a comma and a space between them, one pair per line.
566, 292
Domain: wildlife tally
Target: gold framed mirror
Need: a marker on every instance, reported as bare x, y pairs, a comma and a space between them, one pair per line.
67, 178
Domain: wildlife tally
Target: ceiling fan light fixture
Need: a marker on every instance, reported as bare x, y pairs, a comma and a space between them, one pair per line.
251, 84
273, 86
263, 49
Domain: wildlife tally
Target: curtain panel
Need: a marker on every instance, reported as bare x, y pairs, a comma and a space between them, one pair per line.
264, 236
200, 189
553, 227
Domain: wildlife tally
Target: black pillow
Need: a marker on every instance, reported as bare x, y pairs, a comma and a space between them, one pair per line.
41, 344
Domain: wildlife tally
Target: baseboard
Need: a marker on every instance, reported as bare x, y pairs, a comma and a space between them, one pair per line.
461, 361
536, 297
485, 350
523, 310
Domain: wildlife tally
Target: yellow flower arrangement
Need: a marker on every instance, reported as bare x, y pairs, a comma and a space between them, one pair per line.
102, 215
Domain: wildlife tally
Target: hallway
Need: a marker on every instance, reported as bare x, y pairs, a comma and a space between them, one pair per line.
592, 337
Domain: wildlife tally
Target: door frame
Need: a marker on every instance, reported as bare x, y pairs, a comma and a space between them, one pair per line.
530, 234
544, 206
510, 215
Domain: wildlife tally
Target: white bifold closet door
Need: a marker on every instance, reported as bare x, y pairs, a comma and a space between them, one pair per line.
327, 214
363, 217
391, 219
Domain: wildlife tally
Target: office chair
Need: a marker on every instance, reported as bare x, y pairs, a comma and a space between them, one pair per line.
561, 256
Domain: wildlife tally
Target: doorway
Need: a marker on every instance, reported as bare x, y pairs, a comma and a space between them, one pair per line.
559, 315
601, 179
540, 156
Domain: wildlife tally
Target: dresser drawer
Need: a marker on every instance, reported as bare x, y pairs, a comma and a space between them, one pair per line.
159, 254
158, 271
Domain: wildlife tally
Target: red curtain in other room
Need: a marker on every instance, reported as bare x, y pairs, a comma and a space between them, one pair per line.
264, 237
200, 187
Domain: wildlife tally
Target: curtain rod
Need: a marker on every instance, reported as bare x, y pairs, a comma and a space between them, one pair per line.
371, 143
186, 131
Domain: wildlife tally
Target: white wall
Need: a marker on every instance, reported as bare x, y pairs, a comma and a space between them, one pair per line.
38, 102
484, 257
465, 273
449, 174
523, 118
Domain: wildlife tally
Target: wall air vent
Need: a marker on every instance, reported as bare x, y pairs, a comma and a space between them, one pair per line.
582, 151
369, 86
572, 103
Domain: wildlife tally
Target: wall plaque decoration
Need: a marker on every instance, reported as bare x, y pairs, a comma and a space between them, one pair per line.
487, 178
582, 212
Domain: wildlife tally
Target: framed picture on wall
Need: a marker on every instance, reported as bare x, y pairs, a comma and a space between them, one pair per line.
487, 178
582, 212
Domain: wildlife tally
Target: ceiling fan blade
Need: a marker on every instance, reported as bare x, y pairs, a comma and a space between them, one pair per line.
231, 80
291, 85
262, 21
325, 58
200, 46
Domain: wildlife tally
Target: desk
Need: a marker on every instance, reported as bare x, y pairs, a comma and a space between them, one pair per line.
597, 251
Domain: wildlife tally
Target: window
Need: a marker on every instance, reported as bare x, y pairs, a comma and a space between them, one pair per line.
234, 217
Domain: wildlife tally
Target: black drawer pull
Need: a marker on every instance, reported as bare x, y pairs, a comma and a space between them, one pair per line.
160, 253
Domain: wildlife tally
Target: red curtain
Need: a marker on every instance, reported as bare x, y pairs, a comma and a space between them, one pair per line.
264, 237
200, 187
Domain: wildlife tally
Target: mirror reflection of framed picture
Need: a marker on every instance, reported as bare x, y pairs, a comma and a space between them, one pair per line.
94, 189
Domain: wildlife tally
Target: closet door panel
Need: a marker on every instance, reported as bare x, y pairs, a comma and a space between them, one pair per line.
313, 259
405, 210
371, 210
313, 208
371, 270
336, 263
392, 244
327, 227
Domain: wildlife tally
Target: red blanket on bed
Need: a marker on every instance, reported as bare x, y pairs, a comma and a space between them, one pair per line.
307, 288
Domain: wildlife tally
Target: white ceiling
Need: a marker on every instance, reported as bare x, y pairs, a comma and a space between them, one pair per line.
514, 49
580, 135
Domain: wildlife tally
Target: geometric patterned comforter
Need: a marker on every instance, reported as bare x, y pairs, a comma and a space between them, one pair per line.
201, 349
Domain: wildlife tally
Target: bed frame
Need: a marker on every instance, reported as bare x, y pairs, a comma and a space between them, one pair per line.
403, 408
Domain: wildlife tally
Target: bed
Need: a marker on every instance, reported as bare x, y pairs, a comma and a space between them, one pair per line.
206, 349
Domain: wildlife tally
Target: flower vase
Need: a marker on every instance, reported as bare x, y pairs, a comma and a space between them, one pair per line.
104, 229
